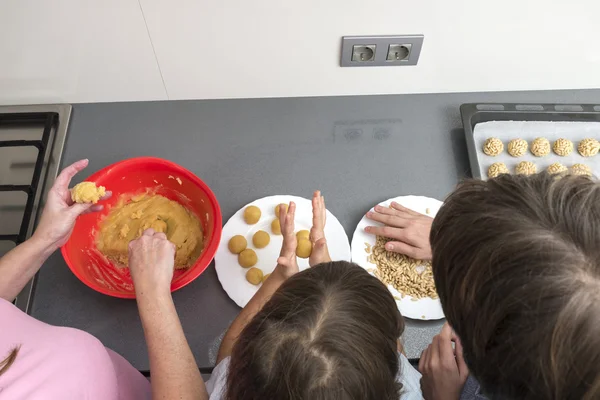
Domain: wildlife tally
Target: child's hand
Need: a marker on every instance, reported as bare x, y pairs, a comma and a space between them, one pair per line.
320, 252
287, 263
443, 369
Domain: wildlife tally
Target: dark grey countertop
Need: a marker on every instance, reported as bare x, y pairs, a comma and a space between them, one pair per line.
357, 150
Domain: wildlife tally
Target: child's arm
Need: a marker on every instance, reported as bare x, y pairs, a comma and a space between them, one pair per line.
286, 267
320, 252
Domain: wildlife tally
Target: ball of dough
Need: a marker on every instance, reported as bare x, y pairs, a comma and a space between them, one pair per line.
497, 169
517, 147
276, 226
588, 147
304, 234
581, 169
266, 276
237, 244
304, 248
247, 258
254, 276
252, 215
261, 239
563, 147
493, 146
556, 168
87, 192
540, 147
526, 168
278, 207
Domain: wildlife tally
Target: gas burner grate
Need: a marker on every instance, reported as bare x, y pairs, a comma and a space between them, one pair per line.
49, 119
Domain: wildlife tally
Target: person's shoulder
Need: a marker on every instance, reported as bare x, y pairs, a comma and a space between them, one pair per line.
217, 383
410, 379
472, 390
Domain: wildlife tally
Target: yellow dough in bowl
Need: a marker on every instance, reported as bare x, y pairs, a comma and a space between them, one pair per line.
254, 276
128, 220
87, 192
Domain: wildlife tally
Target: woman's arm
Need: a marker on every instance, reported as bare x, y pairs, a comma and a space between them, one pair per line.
20, 264
175, 374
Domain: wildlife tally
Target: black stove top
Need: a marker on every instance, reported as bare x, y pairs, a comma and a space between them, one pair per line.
31, 142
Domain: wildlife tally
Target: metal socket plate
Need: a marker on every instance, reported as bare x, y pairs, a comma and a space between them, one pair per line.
380, 45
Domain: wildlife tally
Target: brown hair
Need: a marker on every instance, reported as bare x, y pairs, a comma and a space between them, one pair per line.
329, 332
516, 262
9, 360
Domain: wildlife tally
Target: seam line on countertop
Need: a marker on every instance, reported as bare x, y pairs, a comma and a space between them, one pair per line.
154, 50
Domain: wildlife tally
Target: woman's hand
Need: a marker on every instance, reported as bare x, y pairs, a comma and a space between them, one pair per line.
60, 213
151, 262
444, 369
408, 230
287, 264
320, 251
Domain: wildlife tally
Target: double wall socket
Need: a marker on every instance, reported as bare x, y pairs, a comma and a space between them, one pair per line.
378, 51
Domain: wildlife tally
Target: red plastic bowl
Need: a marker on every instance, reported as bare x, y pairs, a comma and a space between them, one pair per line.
134, 176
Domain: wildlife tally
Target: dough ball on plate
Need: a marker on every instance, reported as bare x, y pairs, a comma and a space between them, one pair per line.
237, 244
266, 276
304, 234
278, 207
276, 226
588, 147
304, 248
247, 258
493, 146
557, 168
540, 147
581, 169
562, 147
497, 169
517, 147
254, 276
261, 239
252, 215
526, 168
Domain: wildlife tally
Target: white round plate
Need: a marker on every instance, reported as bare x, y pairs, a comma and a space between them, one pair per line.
233, 277
425, 308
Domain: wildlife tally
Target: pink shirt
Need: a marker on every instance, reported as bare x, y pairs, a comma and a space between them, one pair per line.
62, 363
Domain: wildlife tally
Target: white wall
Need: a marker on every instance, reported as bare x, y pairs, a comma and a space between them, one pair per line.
113, 50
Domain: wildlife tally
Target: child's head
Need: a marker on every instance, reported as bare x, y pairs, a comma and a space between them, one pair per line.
329, 332
516, 262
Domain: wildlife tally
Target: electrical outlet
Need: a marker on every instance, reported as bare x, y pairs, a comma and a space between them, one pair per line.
398, 52
361, 51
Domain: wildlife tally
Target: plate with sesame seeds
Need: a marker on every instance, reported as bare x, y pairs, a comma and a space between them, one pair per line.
410, 281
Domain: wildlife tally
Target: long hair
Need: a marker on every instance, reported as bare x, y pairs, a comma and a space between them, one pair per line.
329, 332
9, 360
516, 262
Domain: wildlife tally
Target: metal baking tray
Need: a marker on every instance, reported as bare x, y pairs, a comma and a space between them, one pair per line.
473, 114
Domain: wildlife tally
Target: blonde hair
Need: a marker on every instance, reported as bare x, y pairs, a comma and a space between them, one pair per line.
9, 360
